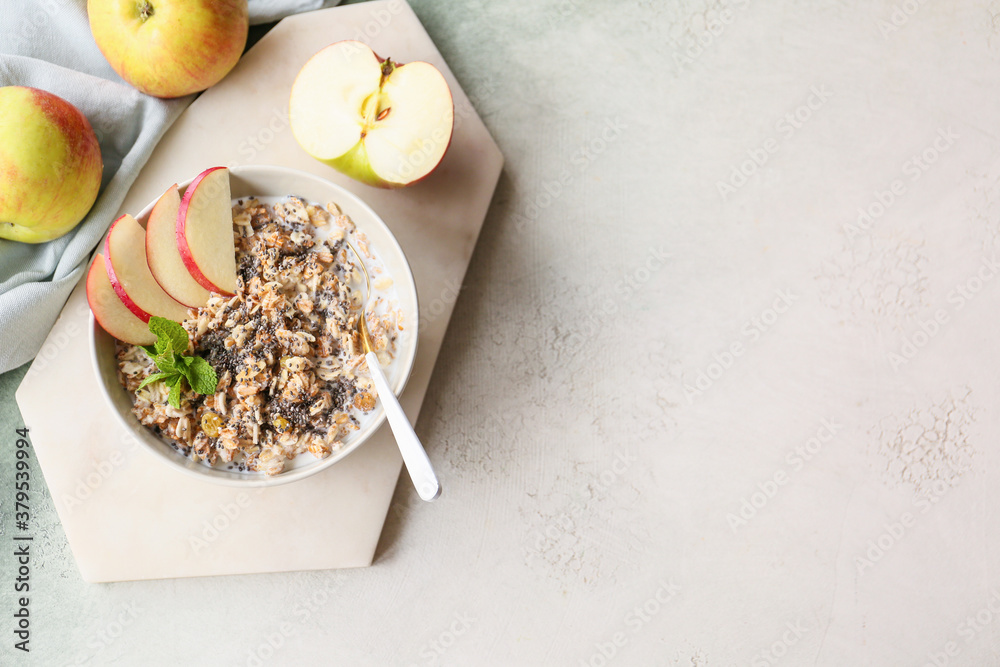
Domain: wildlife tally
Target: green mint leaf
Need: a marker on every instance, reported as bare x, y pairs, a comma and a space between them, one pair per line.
201, 376
168, 331
171, 359
153, 378
175, 395
183, 366
167, 362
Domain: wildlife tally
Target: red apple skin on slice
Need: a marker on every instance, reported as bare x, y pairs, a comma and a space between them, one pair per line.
165, 262
205, 232
110, 312
128, 271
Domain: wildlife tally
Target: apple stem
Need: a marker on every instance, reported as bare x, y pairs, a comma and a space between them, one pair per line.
387, 68
145, 10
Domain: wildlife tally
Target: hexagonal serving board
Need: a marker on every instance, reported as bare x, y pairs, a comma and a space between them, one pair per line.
129, 516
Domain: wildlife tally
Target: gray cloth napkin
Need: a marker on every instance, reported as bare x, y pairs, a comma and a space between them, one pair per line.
47, 44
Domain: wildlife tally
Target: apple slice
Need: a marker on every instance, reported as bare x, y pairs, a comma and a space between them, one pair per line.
165, 262
110, 312
125, 262
205, 231
382, 123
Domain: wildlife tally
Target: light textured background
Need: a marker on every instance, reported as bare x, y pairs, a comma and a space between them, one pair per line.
810, 500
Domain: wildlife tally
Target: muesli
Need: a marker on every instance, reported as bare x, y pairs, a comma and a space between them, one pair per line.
286, 347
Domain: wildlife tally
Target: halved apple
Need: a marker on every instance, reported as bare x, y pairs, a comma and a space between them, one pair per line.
165, 262
110, 312
125, 263
204, 232
380, 122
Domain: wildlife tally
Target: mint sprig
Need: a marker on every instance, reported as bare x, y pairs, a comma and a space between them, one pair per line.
174, 365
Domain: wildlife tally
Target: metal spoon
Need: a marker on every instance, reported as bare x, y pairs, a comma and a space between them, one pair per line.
414, 456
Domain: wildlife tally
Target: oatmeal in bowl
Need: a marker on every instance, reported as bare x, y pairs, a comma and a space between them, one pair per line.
292, 392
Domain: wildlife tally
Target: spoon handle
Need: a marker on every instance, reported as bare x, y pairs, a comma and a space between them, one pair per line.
414, 456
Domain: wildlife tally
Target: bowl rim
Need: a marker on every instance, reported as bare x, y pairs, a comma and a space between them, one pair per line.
175, 459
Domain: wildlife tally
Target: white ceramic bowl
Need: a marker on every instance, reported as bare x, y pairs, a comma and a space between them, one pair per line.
278, 181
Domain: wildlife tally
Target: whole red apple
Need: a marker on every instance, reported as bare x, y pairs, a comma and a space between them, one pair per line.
50, 165
170, 48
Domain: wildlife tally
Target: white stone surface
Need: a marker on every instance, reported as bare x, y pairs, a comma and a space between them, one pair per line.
581, 482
